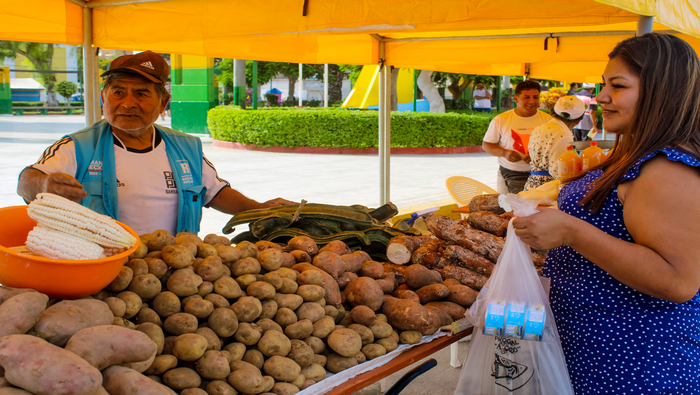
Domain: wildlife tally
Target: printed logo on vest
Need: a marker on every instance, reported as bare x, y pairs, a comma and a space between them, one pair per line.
186, 177
170, 183
95, 168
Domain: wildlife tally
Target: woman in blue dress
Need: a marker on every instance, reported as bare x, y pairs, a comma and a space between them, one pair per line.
625, 243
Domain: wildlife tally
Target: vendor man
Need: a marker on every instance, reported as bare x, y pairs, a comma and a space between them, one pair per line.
499, 140
145, 175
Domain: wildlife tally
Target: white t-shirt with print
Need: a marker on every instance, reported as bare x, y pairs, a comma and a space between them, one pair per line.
148, 196
481, 103
501, 132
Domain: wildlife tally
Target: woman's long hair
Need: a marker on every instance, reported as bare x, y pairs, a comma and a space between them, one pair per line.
667, 112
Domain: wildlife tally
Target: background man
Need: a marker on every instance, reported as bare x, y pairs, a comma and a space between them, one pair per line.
149, 177
506, 128
482, 98
589, 120
572, 89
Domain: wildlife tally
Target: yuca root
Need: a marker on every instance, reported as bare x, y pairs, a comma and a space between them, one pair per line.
400, 248
482, 243
485, 203
467, 277
430, 254
488, 222
460, 256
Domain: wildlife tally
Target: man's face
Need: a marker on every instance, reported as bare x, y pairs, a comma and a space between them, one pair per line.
528, 101
131, 105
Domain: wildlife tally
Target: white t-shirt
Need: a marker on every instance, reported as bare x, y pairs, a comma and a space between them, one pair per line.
148, 197
481, 103
501, 132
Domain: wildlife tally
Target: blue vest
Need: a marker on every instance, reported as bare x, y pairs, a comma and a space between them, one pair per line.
94, 153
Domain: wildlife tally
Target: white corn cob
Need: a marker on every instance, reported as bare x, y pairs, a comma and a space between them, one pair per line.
58, 213
50, 243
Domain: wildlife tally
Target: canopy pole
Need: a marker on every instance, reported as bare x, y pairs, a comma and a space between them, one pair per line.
382, 130
415, 90
645, 24
239, 82
499, 93
254, 92
387, 134
88, 69
301, 83
325, 85
96, 81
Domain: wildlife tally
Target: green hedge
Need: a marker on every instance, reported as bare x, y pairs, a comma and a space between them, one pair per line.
340, 128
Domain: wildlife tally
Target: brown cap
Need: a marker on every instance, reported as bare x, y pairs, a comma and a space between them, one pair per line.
148, 64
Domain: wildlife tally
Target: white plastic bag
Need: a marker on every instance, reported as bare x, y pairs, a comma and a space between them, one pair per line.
508, 364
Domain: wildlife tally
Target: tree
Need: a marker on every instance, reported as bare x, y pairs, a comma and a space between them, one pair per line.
66, 89
41, 56
430, 92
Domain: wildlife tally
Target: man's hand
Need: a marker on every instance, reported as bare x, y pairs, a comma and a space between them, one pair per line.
64, 185
513, 156
527, 159
277, 202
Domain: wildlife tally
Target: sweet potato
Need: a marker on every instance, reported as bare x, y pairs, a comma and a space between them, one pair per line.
19, 313
8, 292
407, 294
62, 320
364, 291
405, 314
462, 295
453, 309
108, 345
353, 261
119, 380
53, 371
418, 276
363, 315
432, 293
303, 243
330, 262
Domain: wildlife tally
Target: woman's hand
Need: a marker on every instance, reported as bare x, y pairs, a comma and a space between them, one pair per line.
547, 229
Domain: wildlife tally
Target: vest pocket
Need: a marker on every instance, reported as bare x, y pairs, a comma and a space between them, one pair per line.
193, 199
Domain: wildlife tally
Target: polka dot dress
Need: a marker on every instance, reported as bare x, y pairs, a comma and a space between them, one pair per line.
617, 340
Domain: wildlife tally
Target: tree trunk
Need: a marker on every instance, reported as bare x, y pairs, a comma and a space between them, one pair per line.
430, 92
292, 83
456, 89
335, 83
394, 95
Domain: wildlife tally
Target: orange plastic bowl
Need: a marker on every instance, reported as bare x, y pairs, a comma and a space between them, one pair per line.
57, 278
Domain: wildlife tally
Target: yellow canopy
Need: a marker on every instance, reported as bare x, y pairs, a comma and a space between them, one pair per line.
563, 40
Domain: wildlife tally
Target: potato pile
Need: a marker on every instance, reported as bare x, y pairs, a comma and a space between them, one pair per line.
251, 318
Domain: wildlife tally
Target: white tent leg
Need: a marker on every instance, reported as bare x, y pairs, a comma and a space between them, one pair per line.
88, 69
325, 85
96, 82
387, 135
301, 83
382, 133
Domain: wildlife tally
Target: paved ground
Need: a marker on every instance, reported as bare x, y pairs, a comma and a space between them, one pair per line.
332, 179
318, 178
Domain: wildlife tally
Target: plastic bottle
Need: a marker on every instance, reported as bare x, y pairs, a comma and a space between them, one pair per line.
591, 156
569, 163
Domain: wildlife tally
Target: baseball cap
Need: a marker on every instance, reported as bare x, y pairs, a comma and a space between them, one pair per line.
588, 85
148, 64
570, 107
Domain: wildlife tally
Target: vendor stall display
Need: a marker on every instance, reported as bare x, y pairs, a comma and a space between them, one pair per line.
195, 315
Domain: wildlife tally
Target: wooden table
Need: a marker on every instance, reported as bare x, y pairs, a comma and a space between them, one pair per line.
404, 359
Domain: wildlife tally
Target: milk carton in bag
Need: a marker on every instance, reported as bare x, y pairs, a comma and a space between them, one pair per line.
525, 356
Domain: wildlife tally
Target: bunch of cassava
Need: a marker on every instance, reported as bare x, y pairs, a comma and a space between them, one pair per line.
211, 318
466, 251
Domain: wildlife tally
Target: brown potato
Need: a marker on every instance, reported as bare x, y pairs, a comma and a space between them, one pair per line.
166, 304
154, 332
388, 343
363, 315
212, 239
117, 306
160, 239
187, 237
122, 280
161, 364
204, 250
247, 309
246, 381
218, 300
285, 317
248, 265
273, 279
254, 357
146, 286
299, 330
301, 353
274, 343
189, 347
288, 286
313, 277
181, 378
285, 388
371, 269
372, 351
184, 282
323, 327
199, 308
132, 302
331, 311
140, 252
360, 357
288, 260
381, 330
337, 363
410, 337
289, 301
236, 351
248, 333
281, 368
310, 311
245, 280
289, 273
227, 253
345, 342
365, 333
180, 323
227, 287
311, 293
156, 267
261, 289
266, 324
314, 372
205, 288
270, 259
178, 256
210, 269
147, 315
316, 344
269, 309
247, 249
220, 387
213, 340
223, 321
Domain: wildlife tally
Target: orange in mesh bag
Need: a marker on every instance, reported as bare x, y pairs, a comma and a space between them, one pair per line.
515, 348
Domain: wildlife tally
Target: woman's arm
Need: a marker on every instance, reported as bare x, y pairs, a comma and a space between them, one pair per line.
661, 212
